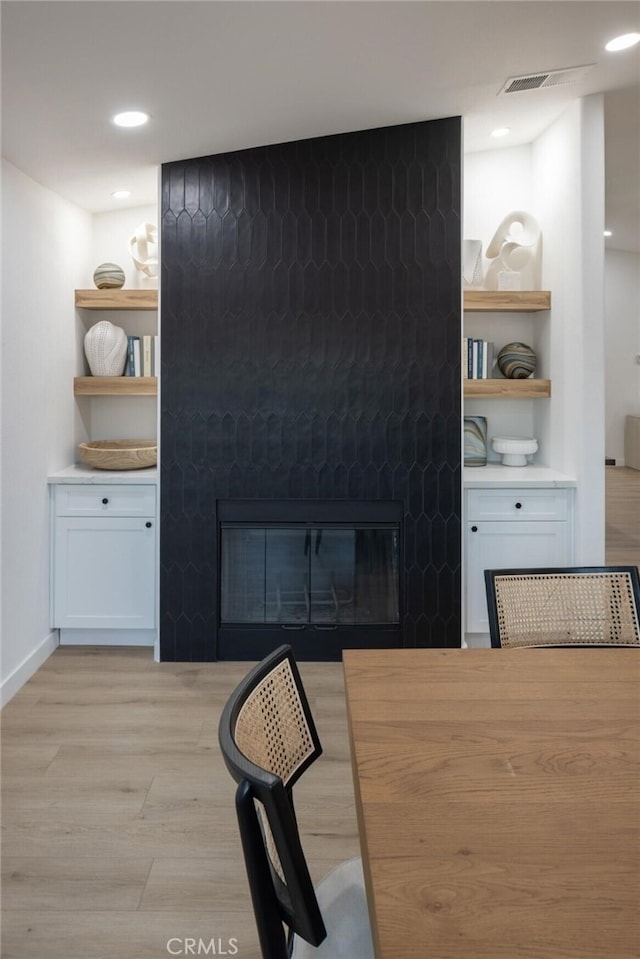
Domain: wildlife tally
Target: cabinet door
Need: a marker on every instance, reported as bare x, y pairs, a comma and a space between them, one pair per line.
104, 573
504, 546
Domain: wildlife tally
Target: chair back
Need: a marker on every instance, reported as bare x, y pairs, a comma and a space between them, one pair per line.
572, 606
268, 738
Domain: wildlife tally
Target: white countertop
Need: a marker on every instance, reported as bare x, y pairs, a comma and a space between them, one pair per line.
85, 474
474, 477
478, 477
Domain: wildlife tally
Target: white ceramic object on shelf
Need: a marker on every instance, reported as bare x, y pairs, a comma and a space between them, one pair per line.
143, 246
514, 449
515, 250
105, 346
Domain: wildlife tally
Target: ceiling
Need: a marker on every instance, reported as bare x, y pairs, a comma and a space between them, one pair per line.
218, 76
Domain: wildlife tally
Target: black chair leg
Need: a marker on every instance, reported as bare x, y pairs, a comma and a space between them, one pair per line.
273, 941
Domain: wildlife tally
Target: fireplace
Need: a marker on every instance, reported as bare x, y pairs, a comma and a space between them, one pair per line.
322, 575
311, 358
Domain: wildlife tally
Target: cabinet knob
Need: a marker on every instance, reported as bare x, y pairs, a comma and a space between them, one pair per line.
518, 505
148, 525
474, 529
105, 500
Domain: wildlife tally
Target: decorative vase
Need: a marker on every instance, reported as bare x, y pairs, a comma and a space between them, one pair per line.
475, 441
516, 361
472, 263
108, 276
105, 346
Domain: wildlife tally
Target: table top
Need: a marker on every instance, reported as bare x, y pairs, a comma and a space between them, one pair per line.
498, 800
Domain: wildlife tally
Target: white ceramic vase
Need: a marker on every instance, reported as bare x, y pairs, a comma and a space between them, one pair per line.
105, 346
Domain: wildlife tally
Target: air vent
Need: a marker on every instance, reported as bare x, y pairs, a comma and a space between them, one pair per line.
552, 78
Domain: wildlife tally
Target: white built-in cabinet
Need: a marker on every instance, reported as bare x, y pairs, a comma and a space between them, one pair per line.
103, 562
509, 527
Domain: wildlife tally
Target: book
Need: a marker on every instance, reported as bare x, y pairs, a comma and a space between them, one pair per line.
474, 359
136, 357
490, 361
465, 357
130, 366
146, 355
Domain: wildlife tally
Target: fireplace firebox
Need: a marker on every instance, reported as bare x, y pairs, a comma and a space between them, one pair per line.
321, 575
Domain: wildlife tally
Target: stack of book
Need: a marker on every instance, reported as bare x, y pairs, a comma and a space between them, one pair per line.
143, 358
477, 359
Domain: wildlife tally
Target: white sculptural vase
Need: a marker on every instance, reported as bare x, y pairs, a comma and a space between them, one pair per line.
105, 346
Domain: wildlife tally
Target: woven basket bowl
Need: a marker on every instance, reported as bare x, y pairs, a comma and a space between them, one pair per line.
119, 454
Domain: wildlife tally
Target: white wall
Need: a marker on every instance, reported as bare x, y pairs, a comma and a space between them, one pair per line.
111, 234
49, 248
495, 183
622, 344
45, 245
568, 178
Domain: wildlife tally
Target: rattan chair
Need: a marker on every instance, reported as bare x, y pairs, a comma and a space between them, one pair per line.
268, 739
573, 606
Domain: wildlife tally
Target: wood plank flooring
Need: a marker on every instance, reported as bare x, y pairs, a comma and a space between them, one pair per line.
119, 829
622, 532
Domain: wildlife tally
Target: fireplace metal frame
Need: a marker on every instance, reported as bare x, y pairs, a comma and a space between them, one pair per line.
310, 641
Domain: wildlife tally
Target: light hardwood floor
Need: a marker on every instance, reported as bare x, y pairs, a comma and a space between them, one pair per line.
622, 535
119, 828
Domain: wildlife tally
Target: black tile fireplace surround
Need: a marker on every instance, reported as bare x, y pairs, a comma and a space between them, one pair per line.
310, 314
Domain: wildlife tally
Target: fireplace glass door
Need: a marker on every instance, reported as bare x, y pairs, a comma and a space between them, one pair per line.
298, 575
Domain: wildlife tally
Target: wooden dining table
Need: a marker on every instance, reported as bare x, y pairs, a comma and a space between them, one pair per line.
498, 801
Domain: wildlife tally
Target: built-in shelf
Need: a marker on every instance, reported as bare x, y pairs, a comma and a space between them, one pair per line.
115, 386
117, 299
508, 389
506, 301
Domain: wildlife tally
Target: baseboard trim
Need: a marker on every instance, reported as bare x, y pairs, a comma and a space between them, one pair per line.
107, 637
16, 680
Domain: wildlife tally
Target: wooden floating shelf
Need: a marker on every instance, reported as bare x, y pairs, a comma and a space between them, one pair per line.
508, 389
506, 301
116, 299
115, 386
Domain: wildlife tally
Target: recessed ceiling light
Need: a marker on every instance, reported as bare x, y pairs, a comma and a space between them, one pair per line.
607, 233
500, 132
623, 42
121, 194
130, 118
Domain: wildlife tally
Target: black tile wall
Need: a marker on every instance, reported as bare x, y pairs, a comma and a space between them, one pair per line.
310, 314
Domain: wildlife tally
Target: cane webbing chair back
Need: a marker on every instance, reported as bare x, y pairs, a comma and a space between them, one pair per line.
576, 606
268, 738
272, 728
